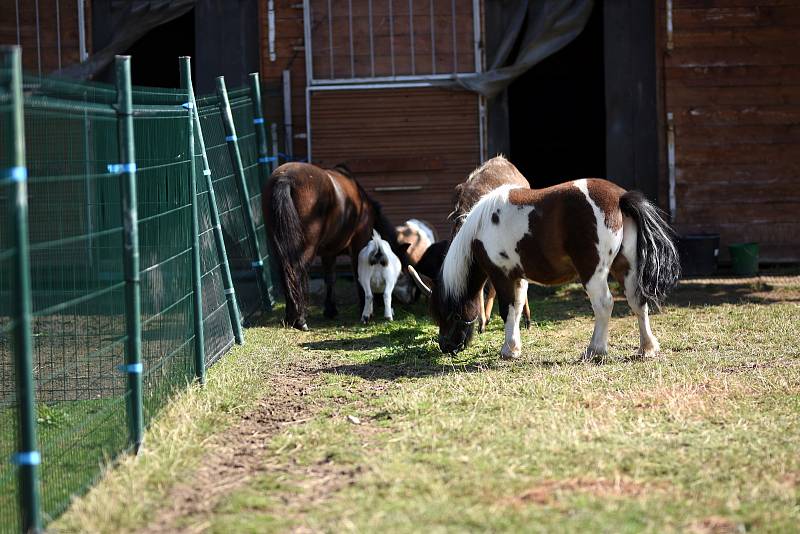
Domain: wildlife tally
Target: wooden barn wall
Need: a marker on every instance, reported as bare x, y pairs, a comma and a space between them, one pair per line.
55, 17
422, 141
289, 55
422, 137
732, 81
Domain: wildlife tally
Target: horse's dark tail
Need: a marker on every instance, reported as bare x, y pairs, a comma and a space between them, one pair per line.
289, 242
658, 265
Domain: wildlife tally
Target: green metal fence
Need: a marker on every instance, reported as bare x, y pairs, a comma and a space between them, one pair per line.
130, 292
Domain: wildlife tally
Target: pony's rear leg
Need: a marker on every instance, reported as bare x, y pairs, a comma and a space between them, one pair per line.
602, 304
488, 304
526, 314
625, 270
482, 319
329, 272
648, 344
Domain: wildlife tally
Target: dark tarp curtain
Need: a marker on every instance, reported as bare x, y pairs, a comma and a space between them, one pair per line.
534, 29
130, 21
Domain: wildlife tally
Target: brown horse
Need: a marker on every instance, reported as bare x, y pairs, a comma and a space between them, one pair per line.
494, 173
587, 227
309, 212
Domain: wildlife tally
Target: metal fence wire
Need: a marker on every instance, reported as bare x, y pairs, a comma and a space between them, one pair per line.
85, 374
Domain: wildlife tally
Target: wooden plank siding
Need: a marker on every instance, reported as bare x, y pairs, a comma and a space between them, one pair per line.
412, 136
44, 51
732, 82
424, 140
290, 55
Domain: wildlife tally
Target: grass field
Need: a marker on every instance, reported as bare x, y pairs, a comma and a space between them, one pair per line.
351, 428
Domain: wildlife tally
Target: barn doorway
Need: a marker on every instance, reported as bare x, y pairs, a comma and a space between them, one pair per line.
557, 114
154, 57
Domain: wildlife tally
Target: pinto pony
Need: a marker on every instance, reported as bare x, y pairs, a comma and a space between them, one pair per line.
309, 212
496, 172
587, 227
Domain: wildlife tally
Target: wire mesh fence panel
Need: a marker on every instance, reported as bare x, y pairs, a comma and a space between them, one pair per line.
242, 111
76, 275
76, 236
216, 318
240, 252
161, 136
9, 515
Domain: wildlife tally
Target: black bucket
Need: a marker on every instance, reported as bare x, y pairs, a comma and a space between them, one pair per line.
699, 253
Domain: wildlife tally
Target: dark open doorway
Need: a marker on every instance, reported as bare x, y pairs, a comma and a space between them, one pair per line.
557, 115
154, 57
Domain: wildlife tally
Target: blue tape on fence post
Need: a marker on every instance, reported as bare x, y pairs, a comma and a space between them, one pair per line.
257, 264
258, 120
230, 138
230, 291
14, 174
188, 105
119, 168
206, 172
26, 458
131, 368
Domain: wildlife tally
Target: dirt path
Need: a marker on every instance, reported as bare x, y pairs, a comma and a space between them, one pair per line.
238, 453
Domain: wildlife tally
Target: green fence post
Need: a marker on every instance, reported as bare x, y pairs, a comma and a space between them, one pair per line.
241, 185
27, 457
219, 241
197, 276
130, 221
264, 164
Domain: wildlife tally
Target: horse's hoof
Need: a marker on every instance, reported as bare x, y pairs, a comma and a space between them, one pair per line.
300, 325
508, 354
364, 320
526, 323
593, 355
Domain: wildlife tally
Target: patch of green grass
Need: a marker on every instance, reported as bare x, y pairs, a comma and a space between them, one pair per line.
703, 437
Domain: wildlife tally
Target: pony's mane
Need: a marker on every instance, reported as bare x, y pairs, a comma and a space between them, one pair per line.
455, 269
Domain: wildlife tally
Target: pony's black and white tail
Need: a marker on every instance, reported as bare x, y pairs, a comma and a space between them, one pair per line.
658, 265
288, 241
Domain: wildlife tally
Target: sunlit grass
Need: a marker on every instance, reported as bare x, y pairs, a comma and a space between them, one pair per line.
703, 437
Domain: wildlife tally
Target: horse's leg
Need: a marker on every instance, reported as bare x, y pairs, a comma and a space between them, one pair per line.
625, 271
358, 242
366, 308
526, 314
491, 293
329, 272
481, 314
388, 313
602, 304
513, 343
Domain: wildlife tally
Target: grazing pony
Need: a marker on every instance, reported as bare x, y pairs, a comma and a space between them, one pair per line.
378, 269
494, 173
588, 227
419, 235
310, 211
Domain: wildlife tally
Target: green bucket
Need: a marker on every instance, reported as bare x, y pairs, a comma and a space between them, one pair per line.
744, 258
